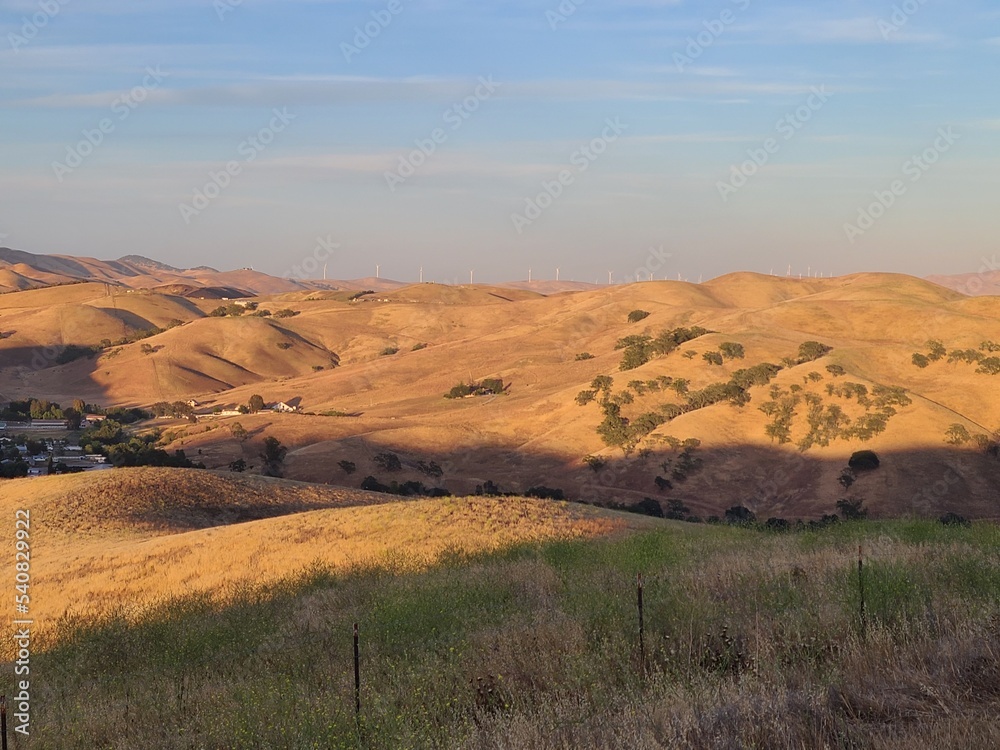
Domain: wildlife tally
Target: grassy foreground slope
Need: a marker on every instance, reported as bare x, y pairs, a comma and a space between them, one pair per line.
121, 541
752, 640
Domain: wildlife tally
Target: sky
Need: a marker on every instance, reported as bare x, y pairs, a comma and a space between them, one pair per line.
608, 140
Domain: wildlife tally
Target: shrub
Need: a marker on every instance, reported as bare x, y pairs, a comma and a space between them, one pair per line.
238, 466
954, 519
389, 351
418, 347
491, 386
284, 345
732, 350
273, 456
777, 524
836, 370
348, 467
430, 468
864, 461
713, 358
459, 391
636, 315
388, 461
602, 383
585, 397
740, 515
541, 492
957, 434
920, 360
812, 350
852, 509
677, 510
647, 507
584, 355
596, 463
286, 313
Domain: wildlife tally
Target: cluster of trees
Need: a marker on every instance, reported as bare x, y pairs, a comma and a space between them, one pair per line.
121, 449
179, 409
985, 364
681, 466
38, 408
234, 310
618, 431
829, 422
486, 387
491, 489
406, 489
640, 349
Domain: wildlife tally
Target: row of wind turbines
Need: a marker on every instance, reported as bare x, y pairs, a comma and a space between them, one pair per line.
627, 279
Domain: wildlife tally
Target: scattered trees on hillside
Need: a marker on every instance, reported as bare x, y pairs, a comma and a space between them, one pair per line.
636, 315
640, 349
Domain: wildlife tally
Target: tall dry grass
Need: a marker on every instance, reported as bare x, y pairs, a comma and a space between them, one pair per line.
753, 640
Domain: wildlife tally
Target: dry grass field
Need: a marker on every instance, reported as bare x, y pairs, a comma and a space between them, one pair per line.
752, 639
123, 541
446, 335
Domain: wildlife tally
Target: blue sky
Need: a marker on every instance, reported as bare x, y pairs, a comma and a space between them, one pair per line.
744, 135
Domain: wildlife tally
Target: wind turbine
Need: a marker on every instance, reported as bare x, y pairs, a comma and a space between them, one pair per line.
471, 274
557, 274
377, 270
421, 274
609, 278
529, 275
324, 271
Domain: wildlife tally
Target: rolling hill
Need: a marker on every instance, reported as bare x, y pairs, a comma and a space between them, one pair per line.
121, 541
378, 367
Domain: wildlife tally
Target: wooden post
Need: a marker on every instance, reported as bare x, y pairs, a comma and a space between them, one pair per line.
357, 676
861, 591
642, 634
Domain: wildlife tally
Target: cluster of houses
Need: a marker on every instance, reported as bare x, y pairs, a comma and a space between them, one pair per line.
55, 451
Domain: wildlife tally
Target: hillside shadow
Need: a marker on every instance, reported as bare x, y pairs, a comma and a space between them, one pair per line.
768, 481
136, 322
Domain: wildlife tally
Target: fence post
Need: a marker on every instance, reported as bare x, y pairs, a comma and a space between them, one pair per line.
642, 634
861, 592
357, 676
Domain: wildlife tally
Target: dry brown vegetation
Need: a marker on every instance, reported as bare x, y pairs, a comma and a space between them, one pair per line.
752, 640
535, 432
127, 539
